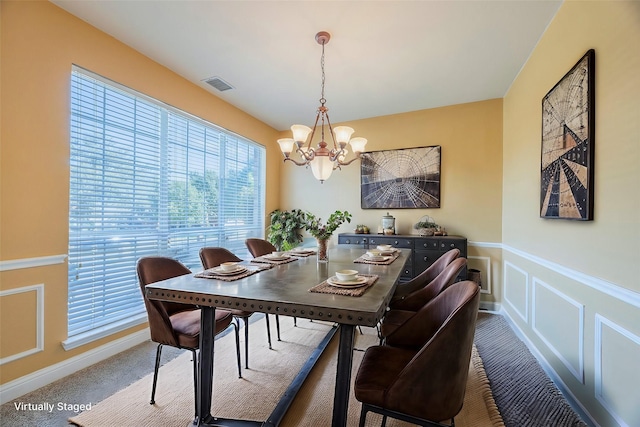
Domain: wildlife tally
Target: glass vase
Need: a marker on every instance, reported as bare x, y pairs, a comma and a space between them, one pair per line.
323, 255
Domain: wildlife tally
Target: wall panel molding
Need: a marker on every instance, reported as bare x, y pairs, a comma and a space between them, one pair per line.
577, 371
15, 264
611, 289
39, 290
600, 323
523, 312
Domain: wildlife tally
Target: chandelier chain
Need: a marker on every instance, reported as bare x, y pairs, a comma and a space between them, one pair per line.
322, 100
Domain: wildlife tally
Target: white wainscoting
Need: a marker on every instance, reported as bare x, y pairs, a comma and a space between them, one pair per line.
558, 320
617, 367
39, 290
15, 264
516, 289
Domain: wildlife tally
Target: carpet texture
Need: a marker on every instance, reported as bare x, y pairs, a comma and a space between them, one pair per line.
255, 395
522, 390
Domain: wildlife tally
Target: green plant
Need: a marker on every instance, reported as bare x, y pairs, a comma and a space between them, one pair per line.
284, 231
321, 231
425, 224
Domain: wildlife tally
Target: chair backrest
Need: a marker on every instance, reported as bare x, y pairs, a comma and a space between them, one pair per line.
155, 269
432, 385
259, 247
428, 275
416, 300
213, 257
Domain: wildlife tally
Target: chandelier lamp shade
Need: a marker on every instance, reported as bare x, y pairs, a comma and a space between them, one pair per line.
322, 160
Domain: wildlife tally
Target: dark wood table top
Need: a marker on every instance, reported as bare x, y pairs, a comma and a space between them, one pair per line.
284, 289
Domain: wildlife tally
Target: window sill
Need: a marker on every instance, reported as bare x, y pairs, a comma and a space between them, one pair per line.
99, 333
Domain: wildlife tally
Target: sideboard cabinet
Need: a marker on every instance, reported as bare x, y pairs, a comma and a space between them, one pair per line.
425, 250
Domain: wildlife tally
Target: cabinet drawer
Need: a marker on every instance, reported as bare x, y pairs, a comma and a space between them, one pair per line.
423, 259
352, 240
448, 244
427, 244
396, 242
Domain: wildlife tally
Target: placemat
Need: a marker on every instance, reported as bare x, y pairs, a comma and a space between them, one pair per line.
263, 260
302, 254
362, 259
251, 269
326, 288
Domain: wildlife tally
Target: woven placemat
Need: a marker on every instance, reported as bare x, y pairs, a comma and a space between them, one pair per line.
263, 260
302, 254
362, 259
251, 269
326, 288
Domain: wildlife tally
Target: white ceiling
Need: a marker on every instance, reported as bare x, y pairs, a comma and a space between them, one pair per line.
384, 57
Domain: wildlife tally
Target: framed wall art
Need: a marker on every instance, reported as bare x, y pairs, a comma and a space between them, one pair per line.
568, 121
408, 178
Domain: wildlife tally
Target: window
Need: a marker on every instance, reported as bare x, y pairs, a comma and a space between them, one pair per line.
148, 179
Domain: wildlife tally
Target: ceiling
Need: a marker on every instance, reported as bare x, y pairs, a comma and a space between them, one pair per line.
384, 57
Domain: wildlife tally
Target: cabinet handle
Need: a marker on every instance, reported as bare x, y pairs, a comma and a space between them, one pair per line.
426, 258
425, 245
395, 242
348, 241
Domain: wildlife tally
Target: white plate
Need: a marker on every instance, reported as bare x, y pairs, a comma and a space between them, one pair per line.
301, 251
389, 252
376, 258
360, 281
276, 257
239, 269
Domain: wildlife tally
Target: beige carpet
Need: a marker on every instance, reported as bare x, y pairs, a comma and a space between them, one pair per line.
256, 394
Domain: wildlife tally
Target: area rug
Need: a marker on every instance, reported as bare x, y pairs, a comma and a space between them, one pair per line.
255, 395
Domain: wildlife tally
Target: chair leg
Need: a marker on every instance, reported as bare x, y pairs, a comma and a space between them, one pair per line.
246, 342
266, 316
237, 332
384, 421
295, 321
195, 380
155, 374
278, 326
363, 415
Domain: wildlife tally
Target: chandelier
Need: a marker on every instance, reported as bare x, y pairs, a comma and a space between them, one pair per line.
322, 159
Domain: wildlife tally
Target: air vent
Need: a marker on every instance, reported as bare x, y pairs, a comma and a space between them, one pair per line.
218, 83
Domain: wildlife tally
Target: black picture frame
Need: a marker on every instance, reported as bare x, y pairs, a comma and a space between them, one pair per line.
407, 178
567, 149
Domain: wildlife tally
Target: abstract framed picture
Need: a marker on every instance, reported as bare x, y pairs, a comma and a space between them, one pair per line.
568, 122
407, 178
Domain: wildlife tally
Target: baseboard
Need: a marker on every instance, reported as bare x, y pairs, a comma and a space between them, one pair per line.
490, 306
546, 366
41, 378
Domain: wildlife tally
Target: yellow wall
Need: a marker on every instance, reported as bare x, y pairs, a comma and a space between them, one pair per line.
470, 136
40, 42
572, 287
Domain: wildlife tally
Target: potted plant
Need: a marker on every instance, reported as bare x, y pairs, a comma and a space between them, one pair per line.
284, 231
322, 232
426, 226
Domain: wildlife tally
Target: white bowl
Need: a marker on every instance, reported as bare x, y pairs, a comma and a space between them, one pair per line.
277, 253
346, 275
228, 266
384, 248
373, 253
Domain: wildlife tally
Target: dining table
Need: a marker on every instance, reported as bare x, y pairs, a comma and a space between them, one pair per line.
288, 289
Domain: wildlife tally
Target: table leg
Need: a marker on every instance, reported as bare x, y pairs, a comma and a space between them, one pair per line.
205, 365
343, 376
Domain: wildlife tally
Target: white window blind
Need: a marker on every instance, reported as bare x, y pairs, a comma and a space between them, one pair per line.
148, 179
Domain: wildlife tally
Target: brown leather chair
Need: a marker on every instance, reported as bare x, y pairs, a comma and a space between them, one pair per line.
405, 308
259, 247
423, 384
424, 278
175, 324
213, 257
